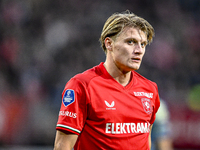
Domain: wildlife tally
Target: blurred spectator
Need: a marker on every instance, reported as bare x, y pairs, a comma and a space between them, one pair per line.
194, 98
161, 132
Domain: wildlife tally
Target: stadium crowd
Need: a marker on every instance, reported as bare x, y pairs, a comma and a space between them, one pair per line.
44, 43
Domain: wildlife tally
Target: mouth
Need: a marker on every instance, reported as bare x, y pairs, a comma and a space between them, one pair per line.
136, 59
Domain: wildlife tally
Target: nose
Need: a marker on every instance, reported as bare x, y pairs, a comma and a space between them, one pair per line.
138, 48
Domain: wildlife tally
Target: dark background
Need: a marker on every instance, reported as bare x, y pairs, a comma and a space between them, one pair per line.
44, 43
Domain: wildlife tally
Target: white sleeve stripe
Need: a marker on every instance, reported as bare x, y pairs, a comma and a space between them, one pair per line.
67, 127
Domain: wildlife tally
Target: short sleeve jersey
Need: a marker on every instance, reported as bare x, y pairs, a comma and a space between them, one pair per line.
107, 115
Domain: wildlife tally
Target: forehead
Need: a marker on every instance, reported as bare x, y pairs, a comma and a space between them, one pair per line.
132, 32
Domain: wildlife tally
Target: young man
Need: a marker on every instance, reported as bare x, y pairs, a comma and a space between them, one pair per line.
110, 106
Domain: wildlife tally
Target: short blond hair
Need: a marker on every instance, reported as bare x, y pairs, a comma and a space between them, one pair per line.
118, 21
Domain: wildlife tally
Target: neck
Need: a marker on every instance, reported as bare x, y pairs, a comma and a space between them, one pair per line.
121, 77
124, 79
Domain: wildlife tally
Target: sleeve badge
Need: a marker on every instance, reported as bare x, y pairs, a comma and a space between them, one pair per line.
69, 97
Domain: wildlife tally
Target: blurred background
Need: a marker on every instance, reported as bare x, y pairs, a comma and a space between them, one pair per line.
44, 43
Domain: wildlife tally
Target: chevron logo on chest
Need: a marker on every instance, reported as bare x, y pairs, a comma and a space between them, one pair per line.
110, 106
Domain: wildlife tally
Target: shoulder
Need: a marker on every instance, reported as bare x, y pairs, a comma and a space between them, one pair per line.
142, 80
88, 75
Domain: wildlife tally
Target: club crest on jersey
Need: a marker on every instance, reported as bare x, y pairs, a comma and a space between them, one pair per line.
68, 97
146, 105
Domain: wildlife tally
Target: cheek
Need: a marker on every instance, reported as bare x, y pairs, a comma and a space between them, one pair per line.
120, 50
143, 52
123, 54
123, 50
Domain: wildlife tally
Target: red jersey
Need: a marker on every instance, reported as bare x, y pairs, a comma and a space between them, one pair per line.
107, 115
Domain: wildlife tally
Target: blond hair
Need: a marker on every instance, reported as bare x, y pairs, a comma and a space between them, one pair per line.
118, 21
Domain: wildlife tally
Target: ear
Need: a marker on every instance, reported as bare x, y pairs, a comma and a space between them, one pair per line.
108, 43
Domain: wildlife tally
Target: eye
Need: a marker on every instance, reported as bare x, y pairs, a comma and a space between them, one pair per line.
131, 42
143, 45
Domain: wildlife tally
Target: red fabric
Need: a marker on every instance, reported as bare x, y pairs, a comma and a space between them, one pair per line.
107, 115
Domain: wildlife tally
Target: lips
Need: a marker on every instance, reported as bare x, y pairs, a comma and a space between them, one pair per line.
137, 59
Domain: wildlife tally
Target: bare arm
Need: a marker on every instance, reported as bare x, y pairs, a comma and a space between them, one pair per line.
150, 136
64, 141
165, 144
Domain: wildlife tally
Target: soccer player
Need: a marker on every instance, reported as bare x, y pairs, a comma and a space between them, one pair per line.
110, 106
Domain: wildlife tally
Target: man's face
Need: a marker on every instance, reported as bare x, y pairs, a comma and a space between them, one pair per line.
128, 49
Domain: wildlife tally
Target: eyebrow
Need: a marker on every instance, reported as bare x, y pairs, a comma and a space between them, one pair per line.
132, 38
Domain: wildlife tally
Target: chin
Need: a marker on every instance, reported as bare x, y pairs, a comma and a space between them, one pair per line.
135, 67
131, 67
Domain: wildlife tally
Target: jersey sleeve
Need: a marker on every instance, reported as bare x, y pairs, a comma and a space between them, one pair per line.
156, 105
73, 110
